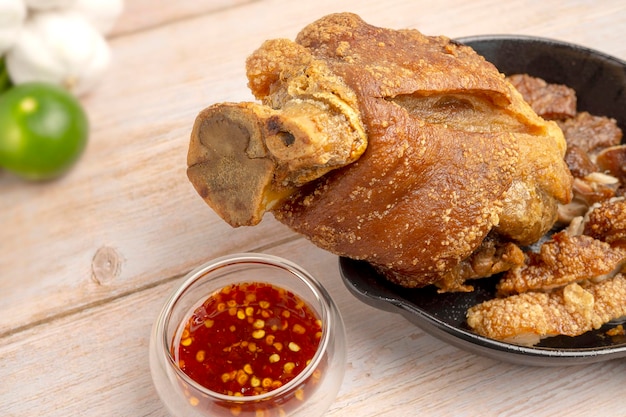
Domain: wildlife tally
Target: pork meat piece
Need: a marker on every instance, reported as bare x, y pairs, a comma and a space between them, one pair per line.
591, 133
550, 101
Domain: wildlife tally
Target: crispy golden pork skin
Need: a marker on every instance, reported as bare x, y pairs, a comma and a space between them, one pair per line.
439, 150
453, 153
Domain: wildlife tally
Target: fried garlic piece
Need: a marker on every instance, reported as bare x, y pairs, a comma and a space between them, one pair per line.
587, 191
613, 161
572, 310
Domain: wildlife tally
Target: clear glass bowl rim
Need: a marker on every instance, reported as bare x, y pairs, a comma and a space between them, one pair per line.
320, 293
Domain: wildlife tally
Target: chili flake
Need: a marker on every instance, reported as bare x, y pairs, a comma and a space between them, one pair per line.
234, 343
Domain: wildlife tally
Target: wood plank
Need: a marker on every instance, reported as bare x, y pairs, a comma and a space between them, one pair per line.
129, 197
74, 342
141, 15
95, 362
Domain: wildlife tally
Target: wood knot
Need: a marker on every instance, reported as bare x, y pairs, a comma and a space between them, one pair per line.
106, 265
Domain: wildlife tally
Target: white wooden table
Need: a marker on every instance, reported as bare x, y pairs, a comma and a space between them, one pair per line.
87, 261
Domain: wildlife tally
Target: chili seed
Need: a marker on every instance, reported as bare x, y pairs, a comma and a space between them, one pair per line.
298, 329
275, 357
242, 378
250, 314
289, 367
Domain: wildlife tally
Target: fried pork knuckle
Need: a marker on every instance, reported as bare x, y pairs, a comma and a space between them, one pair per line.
384, 145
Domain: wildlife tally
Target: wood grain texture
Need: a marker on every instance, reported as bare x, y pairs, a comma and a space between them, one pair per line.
146, 14
100, 365
87, 261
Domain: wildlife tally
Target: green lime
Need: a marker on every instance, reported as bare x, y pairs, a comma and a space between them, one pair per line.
43, 130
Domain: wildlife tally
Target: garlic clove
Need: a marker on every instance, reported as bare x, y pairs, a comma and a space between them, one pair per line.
59, 47
12, 16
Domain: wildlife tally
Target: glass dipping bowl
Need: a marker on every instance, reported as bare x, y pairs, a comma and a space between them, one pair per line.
309, 393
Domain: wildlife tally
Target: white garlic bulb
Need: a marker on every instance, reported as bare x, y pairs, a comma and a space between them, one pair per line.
12, 16
60, 47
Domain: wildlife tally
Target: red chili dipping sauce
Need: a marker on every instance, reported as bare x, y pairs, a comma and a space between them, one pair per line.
248, 339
